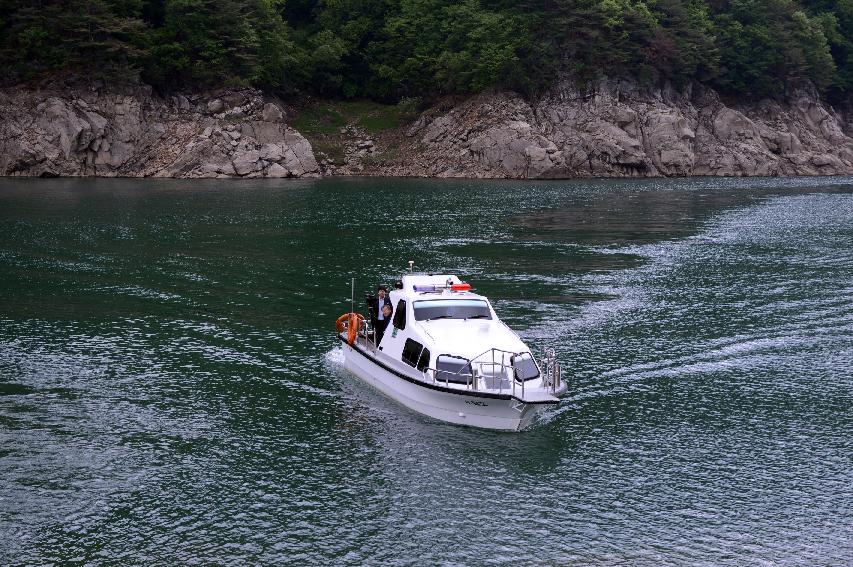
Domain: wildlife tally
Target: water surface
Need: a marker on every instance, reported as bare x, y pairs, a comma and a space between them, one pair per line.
171, 391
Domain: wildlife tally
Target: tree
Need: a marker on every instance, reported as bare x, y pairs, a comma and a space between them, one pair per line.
89, 35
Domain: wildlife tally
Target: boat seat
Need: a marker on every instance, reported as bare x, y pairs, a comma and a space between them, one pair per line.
455, 370
496, 381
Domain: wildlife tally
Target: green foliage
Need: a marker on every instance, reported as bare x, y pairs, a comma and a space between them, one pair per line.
329, 118
447, 47
765, 43
322, 123
835, 17
319, 119
409, 107
388, 50
102, 35
209, 42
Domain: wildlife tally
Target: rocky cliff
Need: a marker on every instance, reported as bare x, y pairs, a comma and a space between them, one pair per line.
611, 129
617, 129
88, 132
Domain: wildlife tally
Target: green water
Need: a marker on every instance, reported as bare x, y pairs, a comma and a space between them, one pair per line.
171, 389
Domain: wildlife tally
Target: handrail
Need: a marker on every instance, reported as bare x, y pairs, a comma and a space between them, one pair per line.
552, 377
471, 382
550, 372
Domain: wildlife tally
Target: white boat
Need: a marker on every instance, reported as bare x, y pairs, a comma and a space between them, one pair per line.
446, 355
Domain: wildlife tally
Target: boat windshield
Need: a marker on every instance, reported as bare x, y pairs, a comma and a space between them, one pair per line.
451, 309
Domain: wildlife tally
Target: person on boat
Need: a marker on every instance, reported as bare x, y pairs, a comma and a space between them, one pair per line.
376, 304
386, 318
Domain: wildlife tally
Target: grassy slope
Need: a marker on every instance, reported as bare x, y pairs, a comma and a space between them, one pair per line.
322, 122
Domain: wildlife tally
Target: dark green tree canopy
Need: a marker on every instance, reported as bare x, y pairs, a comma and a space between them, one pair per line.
389, 49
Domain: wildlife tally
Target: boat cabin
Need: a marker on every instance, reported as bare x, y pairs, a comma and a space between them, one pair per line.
439, 326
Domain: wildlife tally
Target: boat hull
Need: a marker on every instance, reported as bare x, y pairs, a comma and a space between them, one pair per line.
459, 408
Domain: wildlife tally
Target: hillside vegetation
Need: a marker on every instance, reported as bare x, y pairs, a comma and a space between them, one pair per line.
386, 50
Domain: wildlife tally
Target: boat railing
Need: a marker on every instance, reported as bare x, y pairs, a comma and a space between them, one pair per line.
552, 372
473, 370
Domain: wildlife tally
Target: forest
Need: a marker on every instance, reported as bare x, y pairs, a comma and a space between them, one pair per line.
388, 50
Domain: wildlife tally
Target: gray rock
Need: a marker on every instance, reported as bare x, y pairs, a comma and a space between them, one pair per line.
267, 132
729, 123
275, 170
616, 128
609, 128
139, 134
247, 162
824, 160
272, 152
272, 113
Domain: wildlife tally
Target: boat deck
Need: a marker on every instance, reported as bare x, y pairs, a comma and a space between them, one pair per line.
530, 394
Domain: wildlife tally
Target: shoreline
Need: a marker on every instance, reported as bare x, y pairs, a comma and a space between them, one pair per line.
611, 130
432, 178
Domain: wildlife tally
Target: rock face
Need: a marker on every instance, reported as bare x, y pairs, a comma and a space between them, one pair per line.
610, 129
617, 129
82, 132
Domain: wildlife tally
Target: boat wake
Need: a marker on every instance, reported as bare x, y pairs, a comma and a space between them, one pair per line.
682, 314
333, 361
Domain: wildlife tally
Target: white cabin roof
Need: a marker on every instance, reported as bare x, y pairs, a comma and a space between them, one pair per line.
466, 338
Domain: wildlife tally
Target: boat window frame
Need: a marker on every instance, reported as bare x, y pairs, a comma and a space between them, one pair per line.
423, 360
484, 301
413, 362
399, 319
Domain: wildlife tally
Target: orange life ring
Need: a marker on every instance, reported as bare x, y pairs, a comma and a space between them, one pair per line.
352, 322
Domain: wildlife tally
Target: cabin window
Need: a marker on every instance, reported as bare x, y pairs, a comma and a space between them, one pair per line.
525, 367
423, 361
412, 352
400, 315
453, 369
451, 309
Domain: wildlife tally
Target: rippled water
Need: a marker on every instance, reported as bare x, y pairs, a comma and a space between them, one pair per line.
170, 389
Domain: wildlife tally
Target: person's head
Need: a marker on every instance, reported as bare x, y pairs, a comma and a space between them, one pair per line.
381, 291
386, 310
